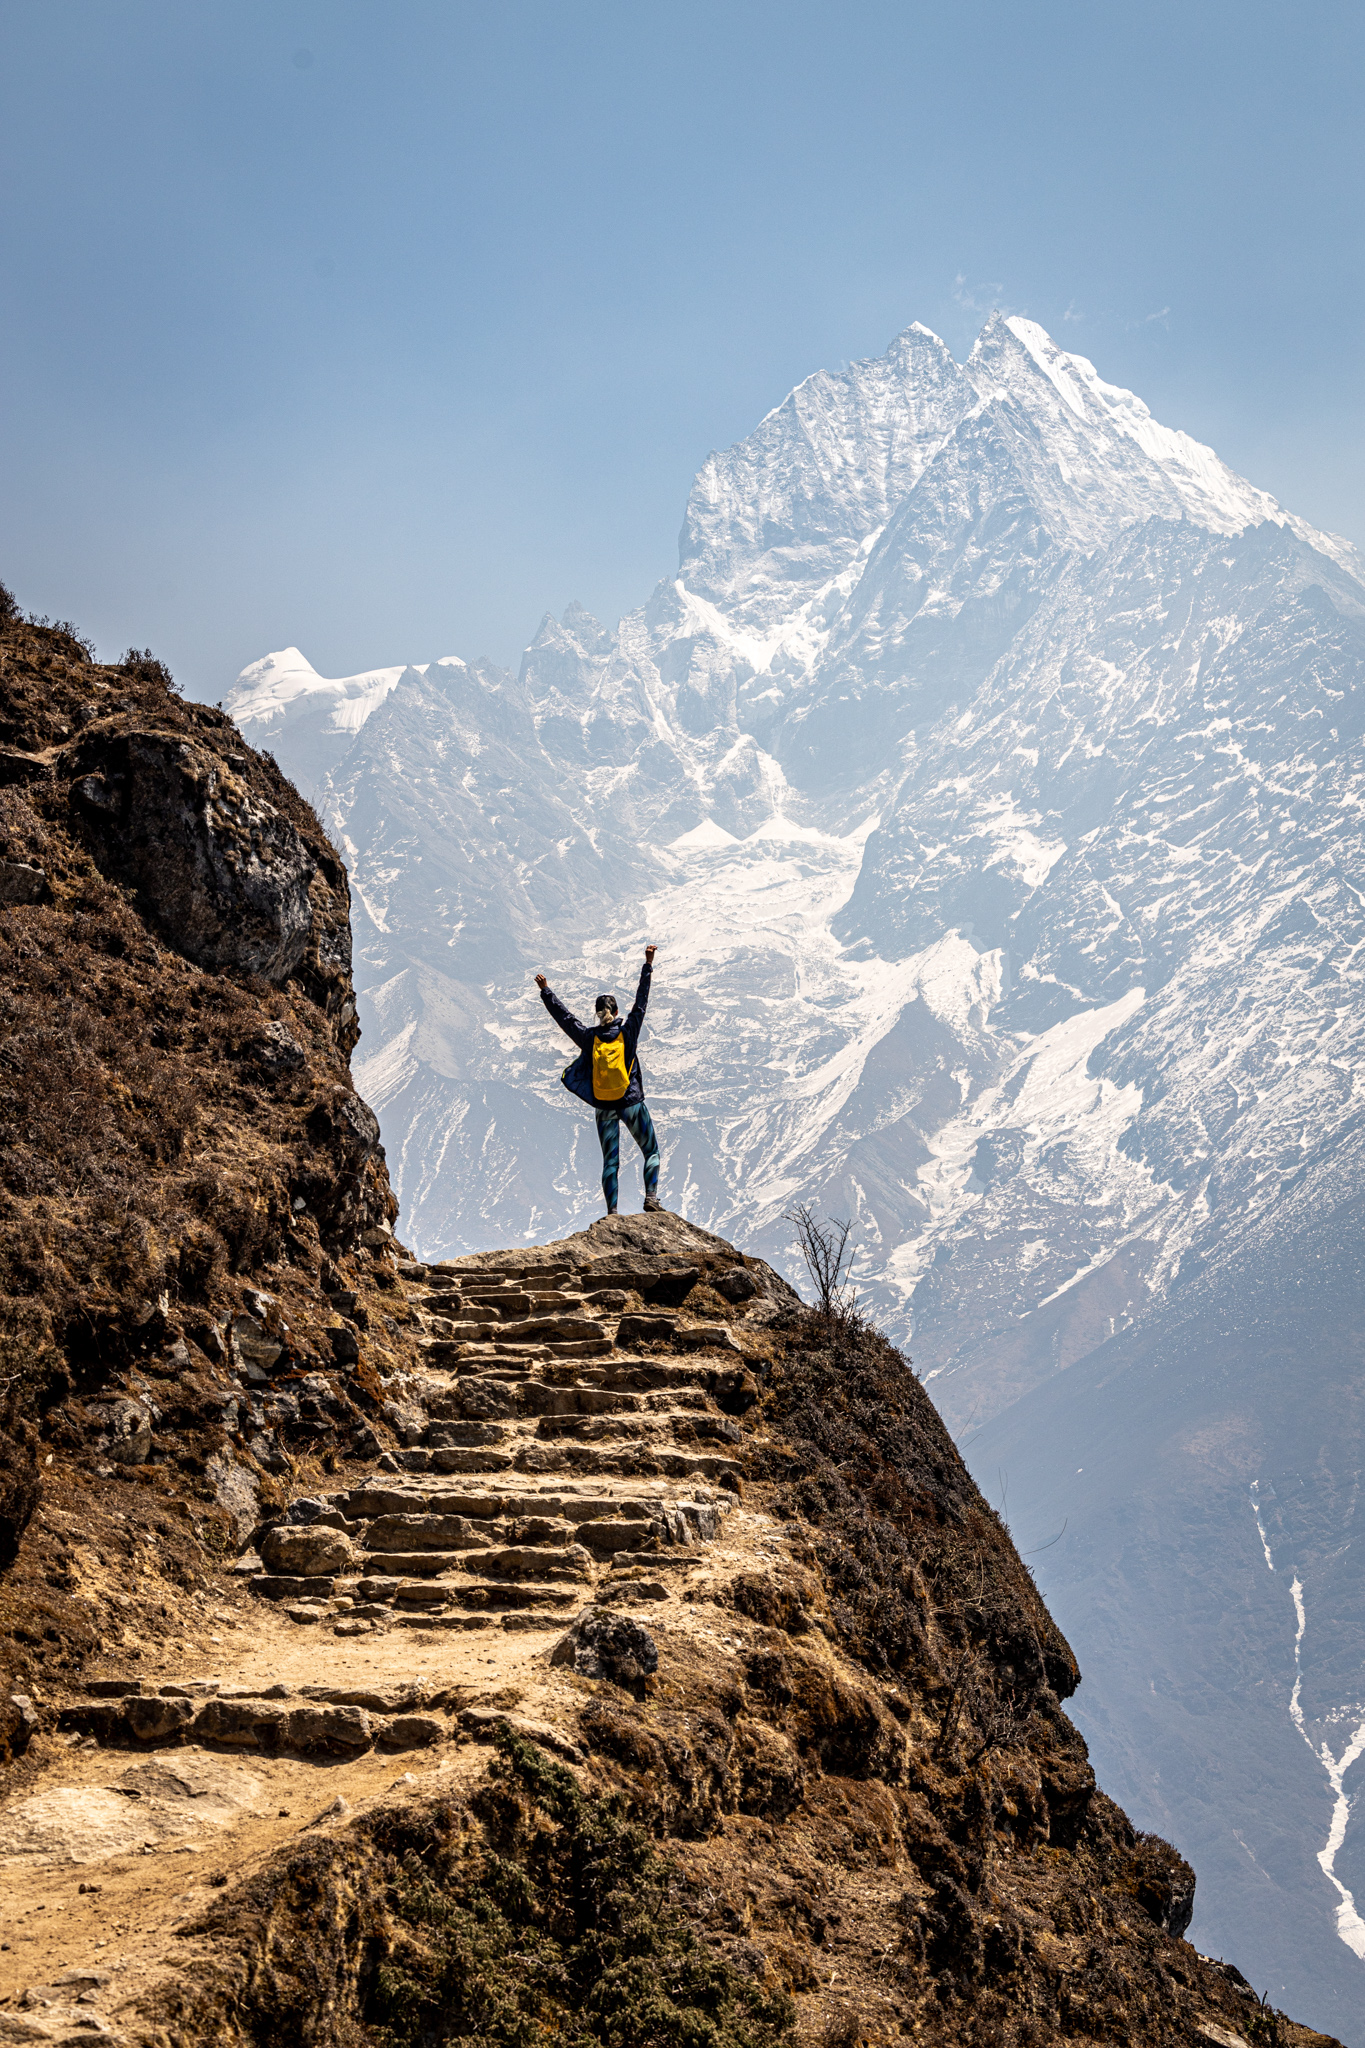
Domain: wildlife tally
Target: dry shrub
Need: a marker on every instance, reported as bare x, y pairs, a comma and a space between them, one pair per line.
142, 664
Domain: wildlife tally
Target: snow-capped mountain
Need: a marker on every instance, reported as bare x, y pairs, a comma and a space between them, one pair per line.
990, 777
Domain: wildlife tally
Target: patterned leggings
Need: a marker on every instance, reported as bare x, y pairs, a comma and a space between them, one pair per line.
640, 1124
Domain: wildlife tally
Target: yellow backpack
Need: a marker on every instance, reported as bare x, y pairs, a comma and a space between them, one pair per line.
610, 1073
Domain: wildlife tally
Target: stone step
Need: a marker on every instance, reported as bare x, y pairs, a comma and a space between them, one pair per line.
371, 1500
598, 1428
448, 1534
465, 1354
449, 1349
507, 1304
511, 1357
274, 1586
563, 1329
452, 1308
679, 1427
277, 1720
578, 1398
511, 1619
451, 1617
640, 1460
485, 1459
472, 1593
682, 1400
457, 1272
450, 1458
569, 1565
642, 1375
468, 1327
506, 1307
452, 1436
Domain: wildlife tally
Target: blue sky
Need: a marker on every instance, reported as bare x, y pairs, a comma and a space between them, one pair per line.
382, 329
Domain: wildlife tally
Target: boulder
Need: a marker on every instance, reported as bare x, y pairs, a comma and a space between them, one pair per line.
253, 1344
311, 1552
671, 1287
154, 1719
609, 1646
240, 1724
124, 1430
18, 1725
236, 1487
277, 1050
345, 1345
285, 1587
20, 883
343, 1121
707, 1337
317, 1730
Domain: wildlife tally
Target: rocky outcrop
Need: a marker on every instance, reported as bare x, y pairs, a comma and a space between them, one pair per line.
223, 874
197, 1282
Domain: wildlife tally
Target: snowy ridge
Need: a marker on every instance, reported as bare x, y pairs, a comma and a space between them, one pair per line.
279, 685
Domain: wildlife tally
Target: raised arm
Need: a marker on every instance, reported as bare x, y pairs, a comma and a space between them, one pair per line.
567, 1022
636, 1015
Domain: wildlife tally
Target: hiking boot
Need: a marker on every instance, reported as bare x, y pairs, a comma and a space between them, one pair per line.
652, 1205
612, 1210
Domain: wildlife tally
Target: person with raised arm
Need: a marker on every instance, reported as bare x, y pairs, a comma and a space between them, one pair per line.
607, 1075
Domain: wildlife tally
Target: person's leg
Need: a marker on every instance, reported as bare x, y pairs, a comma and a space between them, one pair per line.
609, 1132
641, 1126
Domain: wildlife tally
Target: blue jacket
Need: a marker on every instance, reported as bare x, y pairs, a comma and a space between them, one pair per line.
578, 1077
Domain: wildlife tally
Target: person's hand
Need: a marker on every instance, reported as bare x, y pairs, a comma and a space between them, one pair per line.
541, 981
649, 955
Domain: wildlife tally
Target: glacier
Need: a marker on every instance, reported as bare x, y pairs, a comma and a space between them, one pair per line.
990, 778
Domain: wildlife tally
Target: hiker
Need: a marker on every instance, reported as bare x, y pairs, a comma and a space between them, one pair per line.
607, 1074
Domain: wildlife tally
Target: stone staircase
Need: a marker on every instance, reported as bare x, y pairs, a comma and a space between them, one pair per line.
577, 1434
568, 1443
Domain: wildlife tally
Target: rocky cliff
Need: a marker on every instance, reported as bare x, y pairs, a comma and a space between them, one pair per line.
585, 1644
195, 1217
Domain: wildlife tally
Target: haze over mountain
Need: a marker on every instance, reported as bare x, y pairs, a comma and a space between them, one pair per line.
990, 778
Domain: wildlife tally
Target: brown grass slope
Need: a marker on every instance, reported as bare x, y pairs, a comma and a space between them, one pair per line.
184, 1164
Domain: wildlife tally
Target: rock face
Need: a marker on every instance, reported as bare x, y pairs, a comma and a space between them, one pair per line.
188, 1181
224, 876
